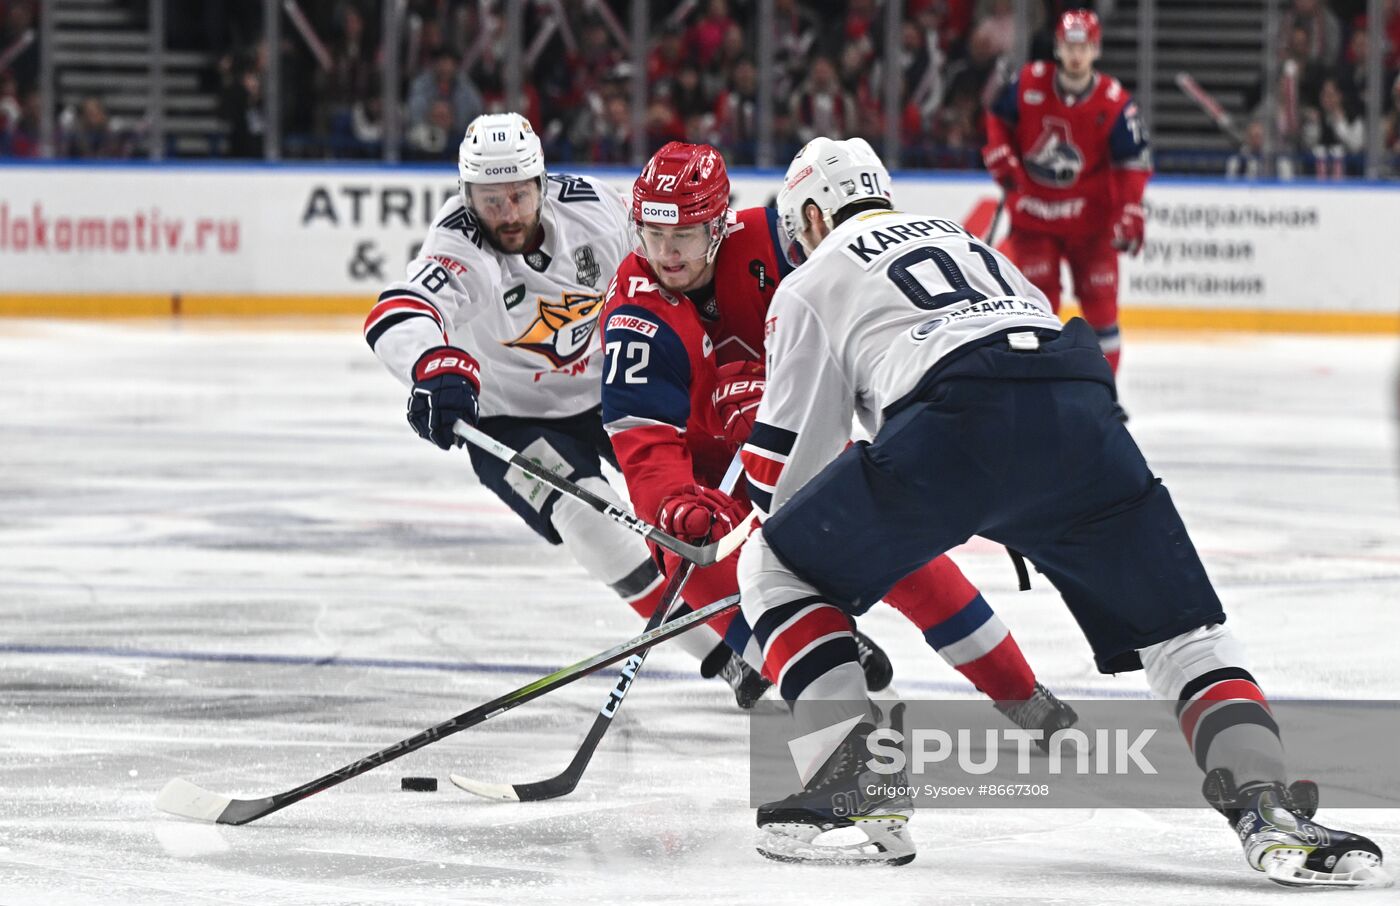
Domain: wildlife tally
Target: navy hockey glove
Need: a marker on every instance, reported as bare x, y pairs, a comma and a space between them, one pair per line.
446, 384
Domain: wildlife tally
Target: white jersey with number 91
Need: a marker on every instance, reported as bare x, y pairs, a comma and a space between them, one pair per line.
882, 300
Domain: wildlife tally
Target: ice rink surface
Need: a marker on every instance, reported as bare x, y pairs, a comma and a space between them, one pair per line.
224, 556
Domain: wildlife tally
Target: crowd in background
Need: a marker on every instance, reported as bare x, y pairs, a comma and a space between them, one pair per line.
1319, 85
702, 74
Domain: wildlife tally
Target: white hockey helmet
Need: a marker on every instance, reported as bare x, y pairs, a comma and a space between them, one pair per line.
499, 147
831, 174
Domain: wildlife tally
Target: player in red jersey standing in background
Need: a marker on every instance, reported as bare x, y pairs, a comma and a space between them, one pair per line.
1068, 146
684, 324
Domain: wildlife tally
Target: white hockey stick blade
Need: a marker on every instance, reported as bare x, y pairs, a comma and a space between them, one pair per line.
503, 792
180, 797
735, 539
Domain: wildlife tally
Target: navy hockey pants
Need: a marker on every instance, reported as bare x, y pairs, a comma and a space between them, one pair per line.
1020, 447
575, 447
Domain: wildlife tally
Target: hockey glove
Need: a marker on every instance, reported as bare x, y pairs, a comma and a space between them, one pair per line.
737, 395
698, 515
1005, 167
1130, 229
446, 384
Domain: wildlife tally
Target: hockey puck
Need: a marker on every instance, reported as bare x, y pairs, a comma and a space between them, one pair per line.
419, 784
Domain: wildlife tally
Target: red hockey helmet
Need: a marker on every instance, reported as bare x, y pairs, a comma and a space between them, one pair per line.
1079, 26
682, 185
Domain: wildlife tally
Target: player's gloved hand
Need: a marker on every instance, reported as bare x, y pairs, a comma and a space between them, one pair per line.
446, 385
697, 514
1005, 167
737, 395
1129, 231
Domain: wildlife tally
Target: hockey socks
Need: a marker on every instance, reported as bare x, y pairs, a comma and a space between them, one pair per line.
959, 624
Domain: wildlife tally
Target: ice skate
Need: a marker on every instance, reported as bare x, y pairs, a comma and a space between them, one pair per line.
747, 683
846, 815
879, 672
1042, 711
1275, 825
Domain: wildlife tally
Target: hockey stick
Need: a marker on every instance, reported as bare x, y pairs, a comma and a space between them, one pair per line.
180, 797
701, 555
1209, 105
996, 219
565, 782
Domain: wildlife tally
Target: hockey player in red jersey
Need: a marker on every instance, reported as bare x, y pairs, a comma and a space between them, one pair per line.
684, 326
1067, 145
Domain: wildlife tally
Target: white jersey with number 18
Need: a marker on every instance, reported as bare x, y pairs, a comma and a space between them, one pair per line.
530, 319
881, 301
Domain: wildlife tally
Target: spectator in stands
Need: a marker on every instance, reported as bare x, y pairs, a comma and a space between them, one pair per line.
795, 30
432, 137
1248, 161
858, 84
20, 137
90, 133
687, 93
613, 140
716, 76
736, 115
996, 26
1390, 136
445, 81
707, 35
17, 18
1324, 32
663, 124
666, 57
1332, 131
242, 104
821, 107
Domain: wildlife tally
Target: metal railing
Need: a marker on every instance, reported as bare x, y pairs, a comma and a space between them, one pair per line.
1276, 155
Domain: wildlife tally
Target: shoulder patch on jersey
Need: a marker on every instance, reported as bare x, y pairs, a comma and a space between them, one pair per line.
1038, 69
465, 222
1115, 89
633, 323
573, 188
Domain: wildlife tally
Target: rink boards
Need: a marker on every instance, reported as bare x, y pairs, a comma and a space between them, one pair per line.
120, 240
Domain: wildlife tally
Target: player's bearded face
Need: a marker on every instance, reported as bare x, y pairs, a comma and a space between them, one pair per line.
509, 212
677, 254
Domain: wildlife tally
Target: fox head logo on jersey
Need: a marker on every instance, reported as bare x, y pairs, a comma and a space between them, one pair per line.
1055, 160
562, 330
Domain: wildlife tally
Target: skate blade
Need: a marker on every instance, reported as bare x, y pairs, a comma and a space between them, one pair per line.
1289, 873
884, 841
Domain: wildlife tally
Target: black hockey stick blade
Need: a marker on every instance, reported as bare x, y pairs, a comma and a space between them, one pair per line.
565, 782
701, 554
188, 800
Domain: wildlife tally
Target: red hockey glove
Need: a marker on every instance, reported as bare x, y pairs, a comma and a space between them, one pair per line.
446, 385
737, 395
1129, 231
1004, 166
698, 515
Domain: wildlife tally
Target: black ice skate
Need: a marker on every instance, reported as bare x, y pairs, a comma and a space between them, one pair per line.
873, 660
1042, 711
1275, 825
846, 815
748, 684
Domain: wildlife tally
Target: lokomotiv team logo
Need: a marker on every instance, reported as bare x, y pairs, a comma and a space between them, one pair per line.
562, 330
1054, 159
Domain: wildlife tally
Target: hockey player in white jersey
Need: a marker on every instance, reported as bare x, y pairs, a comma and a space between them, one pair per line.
988, 418
496, 324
